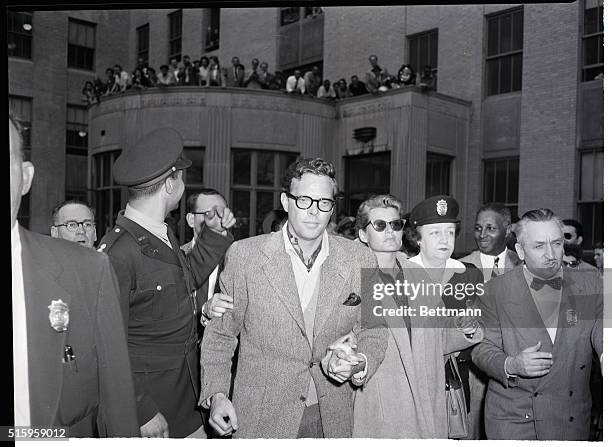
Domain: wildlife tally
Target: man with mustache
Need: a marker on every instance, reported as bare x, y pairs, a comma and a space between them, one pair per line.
543, 322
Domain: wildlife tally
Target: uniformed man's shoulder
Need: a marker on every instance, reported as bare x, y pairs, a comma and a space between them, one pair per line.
116, 240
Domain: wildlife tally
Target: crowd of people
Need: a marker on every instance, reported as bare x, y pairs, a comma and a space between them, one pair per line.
300, 332
208, 72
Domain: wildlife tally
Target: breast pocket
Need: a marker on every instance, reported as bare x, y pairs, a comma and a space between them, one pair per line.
156, 296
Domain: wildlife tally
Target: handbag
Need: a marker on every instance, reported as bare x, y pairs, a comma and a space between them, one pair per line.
456, 409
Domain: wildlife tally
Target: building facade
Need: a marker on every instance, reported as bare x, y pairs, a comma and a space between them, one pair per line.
517, 116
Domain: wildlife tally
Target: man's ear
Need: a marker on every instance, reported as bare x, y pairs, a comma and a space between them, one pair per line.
519, 251
363, 236
169, 184
285, 201
190, 218
54, 231
27, 173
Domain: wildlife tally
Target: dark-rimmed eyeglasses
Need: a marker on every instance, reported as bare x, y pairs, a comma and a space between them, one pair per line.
305, 202
210, 214
380, 225
73, 225
571, 264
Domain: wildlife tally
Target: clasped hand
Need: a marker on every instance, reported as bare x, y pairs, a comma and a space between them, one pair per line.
342, 361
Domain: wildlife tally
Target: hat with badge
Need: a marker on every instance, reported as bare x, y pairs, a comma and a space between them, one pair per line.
437, 209
154, 157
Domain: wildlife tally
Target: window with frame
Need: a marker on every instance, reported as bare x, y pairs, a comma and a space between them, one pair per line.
365, 175
175, 34
504, 59
76, 152
142, 35
81, 44
256, 186
107, 194
501, 183
591, 197
438, 175
21, 108
19, 34
213, 29
592, 41
423, 51
193, 177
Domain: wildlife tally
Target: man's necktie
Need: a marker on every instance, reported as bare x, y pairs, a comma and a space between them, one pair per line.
495, 271
555, 283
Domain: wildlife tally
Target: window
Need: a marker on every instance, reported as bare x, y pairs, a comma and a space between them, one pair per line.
76, 152
256, 186
504, 61
423, 50
501, 178
591, 204
107, 197
365, 175
212, 31
81, 44
437, 177
175, 24
20, 34
193, 178
290, 15
592, 40
142, 33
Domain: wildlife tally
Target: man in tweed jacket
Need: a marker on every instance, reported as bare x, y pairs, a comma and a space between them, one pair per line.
296, 292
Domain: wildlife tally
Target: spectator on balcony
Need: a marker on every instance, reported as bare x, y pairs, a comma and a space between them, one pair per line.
204, 72
89, 94
165, 77
405, 76
312, 81
296, 83
326, 91
252, 79
151, 77
138, 79
277, 81
187, 68
122, 78
216, 77
357, 87
342, 91
181, 77
265, 78
109, 86
428, 79
235, 74
194, 74
174, 67
377, 79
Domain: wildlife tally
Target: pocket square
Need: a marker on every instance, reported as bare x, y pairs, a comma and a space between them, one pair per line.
352, 300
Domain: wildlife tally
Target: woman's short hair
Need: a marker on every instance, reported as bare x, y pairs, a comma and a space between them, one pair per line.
380, 201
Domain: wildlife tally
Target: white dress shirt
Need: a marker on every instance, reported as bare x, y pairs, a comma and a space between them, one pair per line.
212, 278
20, 335
159, 229
488, 262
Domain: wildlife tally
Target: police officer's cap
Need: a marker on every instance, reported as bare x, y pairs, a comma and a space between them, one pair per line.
437, 209
154, 157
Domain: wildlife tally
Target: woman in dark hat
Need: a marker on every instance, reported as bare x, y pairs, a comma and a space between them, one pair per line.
434, 225
406, 396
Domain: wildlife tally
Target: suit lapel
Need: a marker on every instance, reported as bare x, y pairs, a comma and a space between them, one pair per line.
334, 272
525, 315
279, 273
41, 271
568, 301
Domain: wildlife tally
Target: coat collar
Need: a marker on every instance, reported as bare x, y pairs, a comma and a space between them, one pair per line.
150, 245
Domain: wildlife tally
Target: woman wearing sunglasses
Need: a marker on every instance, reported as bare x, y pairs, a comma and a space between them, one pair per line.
405, 398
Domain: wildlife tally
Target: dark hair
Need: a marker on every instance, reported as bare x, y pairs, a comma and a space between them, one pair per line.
302, 166
577, 225
598, 245
573, 250
59, 206
499, 208
537, 215
193, 198
161, 67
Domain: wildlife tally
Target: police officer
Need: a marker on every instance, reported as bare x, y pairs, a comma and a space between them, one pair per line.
157, 284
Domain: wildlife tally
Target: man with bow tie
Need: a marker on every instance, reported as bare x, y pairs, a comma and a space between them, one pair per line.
543, 322
295, 291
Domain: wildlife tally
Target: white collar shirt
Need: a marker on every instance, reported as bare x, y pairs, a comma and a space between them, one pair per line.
158, 229
488, 262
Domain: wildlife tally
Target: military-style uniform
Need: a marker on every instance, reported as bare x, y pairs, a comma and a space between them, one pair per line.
157, 300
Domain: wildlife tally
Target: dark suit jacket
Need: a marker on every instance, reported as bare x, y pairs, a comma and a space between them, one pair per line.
94, 394
556, 406
161, 317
